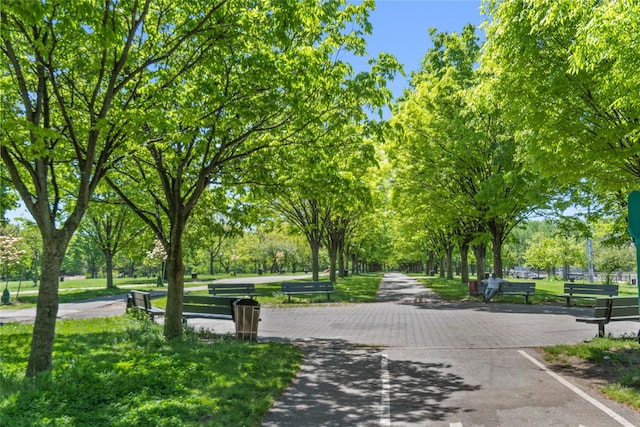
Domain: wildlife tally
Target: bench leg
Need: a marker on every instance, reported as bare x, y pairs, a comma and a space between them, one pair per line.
601, 330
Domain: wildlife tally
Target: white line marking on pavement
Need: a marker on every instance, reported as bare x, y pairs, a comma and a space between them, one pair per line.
385, 401
579, 392
455, 424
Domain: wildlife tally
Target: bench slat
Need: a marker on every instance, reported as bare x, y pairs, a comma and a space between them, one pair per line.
524, 289
587, 290
299, 288
232, 289
612, 309
207, 307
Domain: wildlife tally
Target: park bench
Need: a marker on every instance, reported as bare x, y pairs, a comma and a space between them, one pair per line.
233, 289
141, 301
525, 289
588, 290
302, 288
207, 307
611, 310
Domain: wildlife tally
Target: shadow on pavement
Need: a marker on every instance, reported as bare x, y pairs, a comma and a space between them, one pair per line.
341, 384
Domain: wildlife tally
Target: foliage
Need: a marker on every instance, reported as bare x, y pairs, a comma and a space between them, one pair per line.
122, 372
564, 72
10, 254
457, 164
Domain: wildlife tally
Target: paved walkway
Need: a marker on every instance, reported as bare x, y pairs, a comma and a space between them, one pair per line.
412, 359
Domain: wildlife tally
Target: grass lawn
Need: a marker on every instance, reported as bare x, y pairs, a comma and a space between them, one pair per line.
546, 291
82, 289
120, 371
354, 288
613, 365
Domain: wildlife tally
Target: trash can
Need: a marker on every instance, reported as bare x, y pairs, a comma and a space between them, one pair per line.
246, 314
194, 275
473, 288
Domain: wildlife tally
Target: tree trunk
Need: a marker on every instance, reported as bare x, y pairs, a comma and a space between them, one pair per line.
175, 276
497, 253
464, 263
480, 252
431, 263
315, 263
341, 266
449, 255
108, 255
44, 326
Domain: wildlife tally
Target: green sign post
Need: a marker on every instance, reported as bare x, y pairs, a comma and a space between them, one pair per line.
634, 230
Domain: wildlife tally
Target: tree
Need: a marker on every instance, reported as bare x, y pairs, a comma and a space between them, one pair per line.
111, 227
10, 256
270, 77
80, 76
456, 152
613, 258
567, 74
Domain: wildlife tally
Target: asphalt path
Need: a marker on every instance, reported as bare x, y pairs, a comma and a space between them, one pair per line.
411, 359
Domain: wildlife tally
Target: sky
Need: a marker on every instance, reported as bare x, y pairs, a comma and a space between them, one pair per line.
401, 28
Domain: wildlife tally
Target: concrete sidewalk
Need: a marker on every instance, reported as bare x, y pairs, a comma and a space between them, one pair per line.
415, 360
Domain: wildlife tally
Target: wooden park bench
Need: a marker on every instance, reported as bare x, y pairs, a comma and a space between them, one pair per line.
588, 290
525, 289
141, 301
207, 307
302, 288
240, 290
611, 310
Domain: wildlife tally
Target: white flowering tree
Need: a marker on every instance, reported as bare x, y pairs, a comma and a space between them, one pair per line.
157, 256
10, 256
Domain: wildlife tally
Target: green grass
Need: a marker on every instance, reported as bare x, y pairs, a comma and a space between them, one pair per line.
83, 289
546, 291
120, 371
354, 288
618, 359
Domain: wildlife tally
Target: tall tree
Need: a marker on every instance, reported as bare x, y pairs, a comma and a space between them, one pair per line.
79, 75
111, 227
567, 74
271, 75
457, 150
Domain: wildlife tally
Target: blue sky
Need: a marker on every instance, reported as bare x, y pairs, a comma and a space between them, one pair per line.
400, 27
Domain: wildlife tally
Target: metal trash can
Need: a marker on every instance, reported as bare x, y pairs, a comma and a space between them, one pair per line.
246, 314
473, 288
